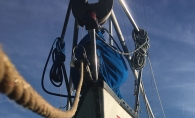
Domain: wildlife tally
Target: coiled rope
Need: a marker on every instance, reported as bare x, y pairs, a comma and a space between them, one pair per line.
141, 39
16, 88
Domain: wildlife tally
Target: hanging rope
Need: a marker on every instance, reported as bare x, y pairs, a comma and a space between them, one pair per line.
16, 88
140, 38
156, 86
58, 71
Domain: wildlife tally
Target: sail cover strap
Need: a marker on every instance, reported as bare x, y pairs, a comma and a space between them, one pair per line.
112, 67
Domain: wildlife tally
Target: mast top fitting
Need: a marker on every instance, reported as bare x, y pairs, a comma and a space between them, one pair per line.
102, 9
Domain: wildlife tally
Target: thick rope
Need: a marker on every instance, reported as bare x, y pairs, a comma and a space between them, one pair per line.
16, 88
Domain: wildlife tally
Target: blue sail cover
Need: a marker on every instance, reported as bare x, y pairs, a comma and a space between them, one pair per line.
112, 70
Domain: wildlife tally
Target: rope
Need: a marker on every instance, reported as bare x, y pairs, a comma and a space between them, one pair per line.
145, 13
120, 52
141, 41
58, 58
156, 86
138, 59
152, 96
58, 70
16, 88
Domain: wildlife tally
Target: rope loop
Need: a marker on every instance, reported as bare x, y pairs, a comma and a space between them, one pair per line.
58, 71
141, 41
58, 58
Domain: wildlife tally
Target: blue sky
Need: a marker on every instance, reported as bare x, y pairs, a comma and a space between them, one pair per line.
28, 29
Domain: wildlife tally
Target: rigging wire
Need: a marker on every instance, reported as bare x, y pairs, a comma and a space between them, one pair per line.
153, 99
145, 13
137, 11
111, 38
61, 107
152, 75
156, 85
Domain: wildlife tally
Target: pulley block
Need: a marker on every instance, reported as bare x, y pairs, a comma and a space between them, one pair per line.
102, 9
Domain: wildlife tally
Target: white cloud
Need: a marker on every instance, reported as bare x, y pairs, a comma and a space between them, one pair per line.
186, 102
185, 67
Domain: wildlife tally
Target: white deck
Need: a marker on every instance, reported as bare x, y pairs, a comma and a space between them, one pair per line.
108, 105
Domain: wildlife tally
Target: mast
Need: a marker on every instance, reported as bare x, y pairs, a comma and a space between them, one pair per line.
97, 93
93, 54
129, 15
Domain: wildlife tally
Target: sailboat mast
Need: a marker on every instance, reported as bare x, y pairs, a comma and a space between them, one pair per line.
93, 54
128, 15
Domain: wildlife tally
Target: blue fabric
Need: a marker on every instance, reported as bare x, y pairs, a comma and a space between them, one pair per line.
113, 69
